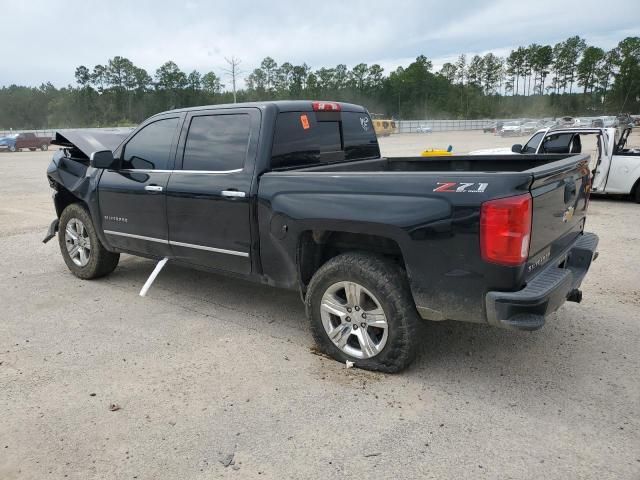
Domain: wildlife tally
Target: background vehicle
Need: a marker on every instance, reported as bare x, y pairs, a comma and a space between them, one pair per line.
492, 127
8, 143
565, 122
424, 129
31, 141
296, 195
383, 126
511, 129
625, 120
530, 127
615, 164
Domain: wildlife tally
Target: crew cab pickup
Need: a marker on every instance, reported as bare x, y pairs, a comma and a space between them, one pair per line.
31, 141
296, 195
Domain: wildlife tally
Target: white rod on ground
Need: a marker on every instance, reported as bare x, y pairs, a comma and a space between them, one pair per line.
152, 277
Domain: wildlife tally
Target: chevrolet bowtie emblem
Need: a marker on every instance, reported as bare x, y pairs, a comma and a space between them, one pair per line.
568, 214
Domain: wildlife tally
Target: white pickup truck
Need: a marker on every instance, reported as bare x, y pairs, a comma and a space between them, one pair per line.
615, 165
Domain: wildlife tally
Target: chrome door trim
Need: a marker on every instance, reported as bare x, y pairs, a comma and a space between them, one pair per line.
208, 172
178, 244
209, 249
137, 237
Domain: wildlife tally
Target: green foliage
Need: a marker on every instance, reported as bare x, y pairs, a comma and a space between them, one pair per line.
538, 80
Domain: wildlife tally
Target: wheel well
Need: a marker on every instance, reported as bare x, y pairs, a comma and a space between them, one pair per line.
318, 246
64, 198
635, 190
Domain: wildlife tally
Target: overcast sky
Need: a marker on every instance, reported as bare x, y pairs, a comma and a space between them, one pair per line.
44, 40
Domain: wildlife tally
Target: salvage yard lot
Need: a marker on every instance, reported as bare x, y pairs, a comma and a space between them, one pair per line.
213, 377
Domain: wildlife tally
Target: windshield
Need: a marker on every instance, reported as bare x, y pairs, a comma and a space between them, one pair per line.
532, 144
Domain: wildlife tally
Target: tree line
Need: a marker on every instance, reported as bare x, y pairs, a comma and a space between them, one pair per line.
568, 78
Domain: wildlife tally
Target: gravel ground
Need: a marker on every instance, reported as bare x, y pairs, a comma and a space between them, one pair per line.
213, 377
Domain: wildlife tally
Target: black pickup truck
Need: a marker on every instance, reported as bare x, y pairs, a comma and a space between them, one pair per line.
296, 195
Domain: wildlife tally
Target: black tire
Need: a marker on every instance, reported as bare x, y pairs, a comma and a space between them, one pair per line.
32, 149
389, 284
101, 261
44, 147
636, 193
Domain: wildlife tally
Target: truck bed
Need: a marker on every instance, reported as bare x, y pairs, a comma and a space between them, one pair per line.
431, 208
455, 163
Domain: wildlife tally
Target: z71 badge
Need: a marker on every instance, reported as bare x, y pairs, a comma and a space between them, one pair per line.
460, 187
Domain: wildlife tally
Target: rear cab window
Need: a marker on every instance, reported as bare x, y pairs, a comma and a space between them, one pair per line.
312, 138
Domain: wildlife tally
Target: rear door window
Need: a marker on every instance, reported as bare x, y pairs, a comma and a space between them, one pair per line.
217, 142
557, 143
308, 138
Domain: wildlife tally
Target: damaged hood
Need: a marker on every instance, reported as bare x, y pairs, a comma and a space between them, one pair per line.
89, 141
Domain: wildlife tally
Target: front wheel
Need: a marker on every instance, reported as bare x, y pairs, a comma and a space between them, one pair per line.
44, 147
361, 310
80, 246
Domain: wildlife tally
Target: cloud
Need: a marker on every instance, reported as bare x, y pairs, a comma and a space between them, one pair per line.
56, 35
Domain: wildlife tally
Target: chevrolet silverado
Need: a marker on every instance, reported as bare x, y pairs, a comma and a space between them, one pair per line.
296, 195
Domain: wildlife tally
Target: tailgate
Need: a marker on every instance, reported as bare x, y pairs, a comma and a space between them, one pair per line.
560, 192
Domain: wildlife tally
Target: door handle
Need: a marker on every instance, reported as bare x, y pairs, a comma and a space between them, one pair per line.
233, 194
153, 188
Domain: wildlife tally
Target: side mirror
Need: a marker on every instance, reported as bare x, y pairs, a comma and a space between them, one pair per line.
517, 148
102, 159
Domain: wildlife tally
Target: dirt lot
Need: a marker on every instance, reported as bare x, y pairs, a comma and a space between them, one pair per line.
208, 371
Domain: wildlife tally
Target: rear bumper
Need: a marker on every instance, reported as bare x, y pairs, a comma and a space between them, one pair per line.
526, 309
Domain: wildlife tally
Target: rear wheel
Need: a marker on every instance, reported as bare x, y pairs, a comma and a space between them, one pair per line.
361, 310
80, 246
32, 149
13, 148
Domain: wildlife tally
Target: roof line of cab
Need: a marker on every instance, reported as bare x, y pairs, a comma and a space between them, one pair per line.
277, 105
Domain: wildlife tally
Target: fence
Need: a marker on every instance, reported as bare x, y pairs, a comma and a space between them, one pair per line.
404, 126
412, 126
51, 132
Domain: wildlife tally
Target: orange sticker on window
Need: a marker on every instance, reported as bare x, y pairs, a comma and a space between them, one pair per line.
304, 121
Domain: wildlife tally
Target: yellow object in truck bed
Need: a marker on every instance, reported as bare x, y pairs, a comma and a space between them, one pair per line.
433, 152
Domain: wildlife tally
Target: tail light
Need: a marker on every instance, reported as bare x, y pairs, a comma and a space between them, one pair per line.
505, 230
326, 107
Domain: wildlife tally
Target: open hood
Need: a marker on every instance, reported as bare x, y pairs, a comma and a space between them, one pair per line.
89, 141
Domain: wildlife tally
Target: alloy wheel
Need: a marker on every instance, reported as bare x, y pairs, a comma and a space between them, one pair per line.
354, 320
78, 242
